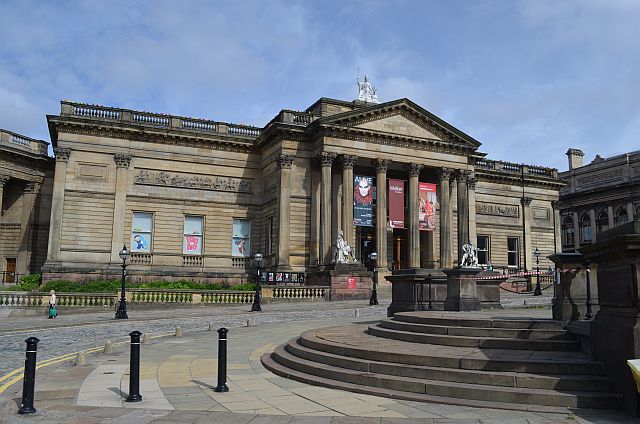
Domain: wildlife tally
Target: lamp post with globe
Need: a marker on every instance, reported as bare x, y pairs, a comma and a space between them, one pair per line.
121, 313
538, 289
373, 256
257, 297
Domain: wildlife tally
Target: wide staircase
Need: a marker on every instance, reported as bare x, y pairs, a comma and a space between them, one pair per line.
448, 357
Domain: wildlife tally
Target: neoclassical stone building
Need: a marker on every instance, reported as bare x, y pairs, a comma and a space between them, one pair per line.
197, 199
598, 196
26, 177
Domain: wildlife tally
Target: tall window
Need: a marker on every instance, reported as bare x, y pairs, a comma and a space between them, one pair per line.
585, 229
568, 236
270, 231
483, 250
602, 221
241, 238
192, 237
512, 251
142, 232
620, 217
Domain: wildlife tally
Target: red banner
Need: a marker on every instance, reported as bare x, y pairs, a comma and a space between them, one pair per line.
396, 203
427, 206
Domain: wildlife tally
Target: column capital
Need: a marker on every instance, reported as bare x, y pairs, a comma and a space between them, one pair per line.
122, 160
555, 204
285, 161
414, 169
382, 165
445, 173
471, 182
32, 187
3, 180
348, 161
326, 158
526, 201
463, 175
62, 153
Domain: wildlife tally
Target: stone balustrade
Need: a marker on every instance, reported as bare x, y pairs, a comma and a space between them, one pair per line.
157, 120
22, 142
294, 117
515, 168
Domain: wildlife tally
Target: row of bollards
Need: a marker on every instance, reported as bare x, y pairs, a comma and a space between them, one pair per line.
28, 388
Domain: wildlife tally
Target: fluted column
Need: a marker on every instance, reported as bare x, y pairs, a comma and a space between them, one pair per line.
526, 220
414, 226
284, 210
348, 161
463, 211
57, 202
29, 195
557, 232
381, 212
314, 248
3, 180
122, 161
445, 217
326, 161
471, 196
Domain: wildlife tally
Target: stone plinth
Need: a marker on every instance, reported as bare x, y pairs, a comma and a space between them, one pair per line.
347, 281
570, 296
462, 291
410, 290
615, 332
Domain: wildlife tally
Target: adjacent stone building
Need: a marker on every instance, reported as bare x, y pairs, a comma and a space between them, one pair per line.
26, 178
196, 199
598, 196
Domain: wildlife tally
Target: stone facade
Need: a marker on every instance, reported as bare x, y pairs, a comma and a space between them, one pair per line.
284, 190
26, 173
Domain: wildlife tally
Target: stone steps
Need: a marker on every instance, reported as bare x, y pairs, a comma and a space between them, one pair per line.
469, 319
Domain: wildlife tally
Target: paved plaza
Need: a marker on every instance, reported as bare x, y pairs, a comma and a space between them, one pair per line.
178, 374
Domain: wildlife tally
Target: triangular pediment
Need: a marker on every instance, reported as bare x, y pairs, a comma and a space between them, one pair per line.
398, 124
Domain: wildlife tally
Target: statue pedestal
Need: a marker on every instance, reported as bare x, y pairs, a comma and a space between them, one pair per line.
462, 291
347, 281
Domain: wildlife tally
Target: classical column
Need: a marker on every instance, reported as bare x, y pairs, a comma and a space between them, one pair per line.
609, 215
122, 161
592, 218
413, 254
630, 211
26, 226
445, 217
471, 195
526, 232
57, 202
557, 223
381, 212
576, 230
284, 211
463, 211
3, 180
326, 160
348, 161
314, 248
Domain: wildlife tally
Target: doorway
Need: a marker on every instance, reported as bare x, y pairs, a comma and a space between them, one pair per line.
399, 249
367, 244
9, 274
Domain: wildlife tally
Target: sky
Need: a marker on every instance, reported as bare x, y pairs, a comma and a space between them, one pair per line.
528, 79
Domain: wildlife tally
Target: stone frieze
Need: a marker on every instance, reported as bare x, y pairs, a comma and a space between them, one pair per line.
495, 209
200, 182
600, 177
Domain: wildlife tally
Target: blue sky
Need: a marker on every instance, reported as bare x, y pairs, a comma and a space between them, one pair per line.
528, 79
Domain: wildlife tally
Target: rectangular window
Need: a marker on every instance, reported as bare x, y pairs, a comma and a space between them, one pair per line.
192, 240
512, 251
483, 250
241, 237
142, 232
270, 230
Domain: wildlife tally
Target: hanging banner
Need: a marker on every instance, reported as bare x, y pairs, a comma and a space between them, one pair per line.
427, 206
363, 201
396, 203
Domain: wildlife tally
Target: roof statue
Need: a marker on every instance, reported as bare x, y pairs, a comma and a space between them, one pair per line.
366, 91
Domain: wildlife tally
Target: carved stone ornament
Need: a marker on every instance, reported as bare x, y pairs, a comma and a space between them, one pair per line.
414, 169
526, 201
62, 153
122, 160
285, 161
382, 165
462, 175
555, 204
469, 256
326, 158
172, 179
31, 187
349, 161
3, 179
471, 182
445, 173
497, 210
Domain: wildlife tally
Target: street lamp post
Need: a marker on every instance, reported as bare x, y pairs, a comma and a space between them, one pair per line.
257, 298
373, 256
538, 290
121, 313
587, 264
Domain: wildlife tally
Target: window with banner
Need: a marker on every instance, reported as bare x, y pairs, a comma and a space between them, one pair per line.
141, 232
483, 250
363, 201
241, 237
427, 206
512, 251
192, 237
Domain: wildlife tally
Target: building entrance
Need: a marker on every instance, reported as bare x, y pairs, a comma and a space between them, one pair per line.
366, 239
399, 260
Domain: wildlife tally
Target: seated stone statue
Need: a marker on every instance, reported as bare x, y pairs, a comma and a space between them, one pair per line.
469, 257
342, 254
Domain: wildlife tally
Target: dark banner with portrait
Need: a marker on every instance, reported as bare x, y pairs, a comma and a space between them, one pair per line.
427, 206
396, 203
363, 194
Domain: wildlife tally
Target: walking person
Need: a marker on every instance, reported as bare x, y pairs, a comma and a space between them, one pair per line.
53, 310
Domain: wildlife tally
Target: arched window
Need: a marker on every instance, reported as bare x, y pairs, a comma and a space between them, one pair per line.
585, 229
620, 217
568, 236
602, 221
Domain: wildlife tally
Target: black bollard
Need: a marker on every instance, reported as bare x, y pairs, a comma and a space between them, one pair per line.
29, 377
134, 368
222, 361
